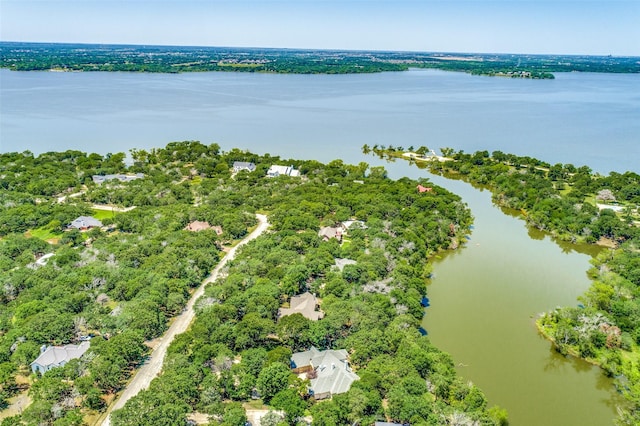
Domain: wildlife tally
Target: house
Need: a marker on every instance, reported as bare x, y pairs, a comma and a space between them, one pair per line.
304, 304
57, 356
341, 263
243, 165
355, 224
329, 232
99, 179
197, 226
275, 171
85, 222
330, 371
44, 259
422, 189
41, 261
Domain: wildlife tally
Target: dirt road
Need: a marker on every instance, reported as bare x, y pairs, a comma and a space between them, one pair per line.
152, 367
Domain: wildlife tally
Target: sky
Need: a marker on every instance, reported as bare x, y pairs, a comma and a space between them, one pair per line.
580, 27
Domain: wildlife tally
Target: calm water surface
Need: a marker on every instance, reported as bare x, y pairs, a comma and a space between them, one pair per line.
484, 301
591, 119
484, 297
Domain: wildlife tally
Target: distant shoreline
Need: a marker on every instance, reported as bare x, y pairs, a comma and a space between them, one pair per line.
60, 57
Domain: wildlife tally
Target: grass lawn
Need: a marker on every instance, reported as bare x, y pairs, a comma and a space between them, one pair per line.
44, 234
255, 404
103, 214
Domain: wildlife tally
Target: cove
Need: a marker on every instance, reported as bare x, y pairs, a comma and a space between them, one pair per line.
484, 299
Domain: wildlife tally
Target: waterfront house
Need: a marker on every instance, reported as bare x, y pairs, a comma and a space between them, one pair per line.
422, 189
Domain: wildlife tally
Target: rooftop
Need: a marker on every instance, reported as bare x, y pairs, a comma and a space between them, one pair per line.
54, 356
304, 304
84, 222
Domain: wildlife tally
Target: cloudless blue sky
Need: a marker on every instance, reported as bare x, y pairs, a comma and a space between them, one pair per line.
507, 26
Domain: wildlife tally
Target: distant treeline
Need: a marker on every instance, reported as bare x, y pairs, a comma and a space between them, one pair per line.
172, 59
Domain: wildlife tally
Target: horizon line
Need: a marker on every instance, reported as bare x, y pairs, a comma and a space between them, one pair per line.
313, 49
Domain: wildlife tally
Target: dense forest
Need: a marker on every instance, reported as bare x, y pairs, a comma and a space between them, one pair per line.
118, 286
572, 204
175, 59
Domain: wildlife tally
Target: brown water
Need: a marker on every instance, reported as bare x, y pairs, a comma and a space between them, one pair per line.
484, 300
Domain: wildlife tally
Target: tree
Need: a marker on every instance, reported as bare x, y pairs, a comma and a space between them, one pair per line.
270, 419
499, 415
294, 331
290, 402
447, 152
234, 415
252, 331
273, 379
280, 354
253, 360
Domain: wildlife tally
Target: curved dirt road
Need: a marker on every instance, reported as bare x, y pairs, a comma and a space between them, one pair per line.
152, 367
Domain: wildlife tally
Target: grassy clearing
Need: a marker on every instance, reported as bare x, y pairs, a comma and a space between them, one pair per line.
255, 404
44, 234
103, 214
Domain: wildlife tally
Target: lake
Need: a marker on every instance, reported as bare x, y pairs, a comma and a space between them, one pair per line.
484, 297
584, 119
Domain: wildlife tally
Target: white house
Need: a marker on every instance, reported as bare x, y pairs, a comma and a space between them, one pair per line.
57, 356
275, 171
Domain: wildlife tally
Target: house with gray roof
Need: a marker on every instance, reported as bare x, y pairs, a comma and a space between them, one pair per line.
304, 304
329, 371
85, 222
57, 356
243, 165
99, 179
